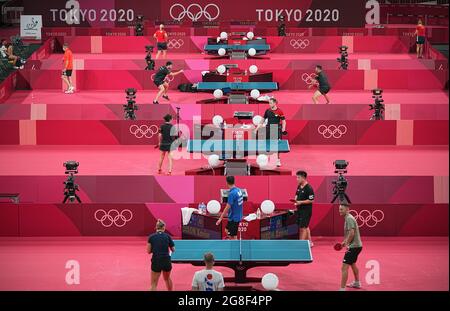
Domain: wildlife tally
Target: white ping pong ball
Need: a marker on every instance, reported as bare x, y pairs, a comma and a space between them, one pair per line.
262, 160
267, 207
213, 160
213, 207
270, 281
218, 93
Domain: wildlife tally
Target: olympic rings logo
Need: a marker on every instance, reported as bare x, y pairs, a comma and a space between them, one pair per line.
175, 43
144, 131
332, 131
367, 218
168, 78
299, 44
309, 79
113, 217
194, 15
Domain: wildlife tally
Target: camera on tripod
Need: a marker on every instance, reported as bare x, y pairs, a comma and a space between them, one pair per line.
148, 57
70, 187
139, 28
343, 59
130, 107
281, 27
340, 185
378, 106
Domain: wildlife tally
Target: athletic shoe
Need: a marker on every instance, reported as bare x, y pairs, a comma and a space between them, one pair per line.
341, 289
354, 285
72, 89
279, 163
311, 244
165, 97
155, 102
69, 91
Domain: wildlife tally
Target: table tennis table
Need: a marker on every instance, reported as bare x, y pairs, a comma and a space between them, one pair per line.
242, 255
237, 86
227, 148
238, 47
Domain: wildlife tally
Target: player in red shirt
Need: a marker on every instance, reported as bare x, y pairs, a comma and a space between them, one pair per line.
161, 41
420, 33
67, 68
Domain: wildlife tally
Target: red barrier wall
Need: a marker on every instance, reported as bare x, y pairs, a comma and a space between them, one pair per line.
140, 219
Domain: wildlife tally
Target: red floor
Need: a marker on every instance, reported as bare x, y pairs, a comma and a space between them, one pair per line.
410, 264
142, 160
403, 97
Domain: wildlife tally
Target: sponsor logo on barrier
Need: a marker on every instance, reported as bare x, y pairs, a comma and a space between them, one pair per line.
194, 11
332, 131
175, 43
299, 44
113, 217
309, 79
368, 218
147, 131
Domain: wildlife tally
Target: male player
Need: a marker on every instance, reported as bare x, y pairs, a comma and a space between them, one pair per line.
234, 208
161, 41
304, 199
421, 37
208, 279
276, 123
352, 240
67, 69
160, 81
323, 86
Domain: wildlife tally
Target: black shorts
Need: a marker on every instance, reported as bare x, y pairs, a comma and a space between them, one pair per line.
351, 255
158, 82
67, 73
304, 216
162, 46
161, 264
420, 40
167, 147
324, 90
275, 136
232, 228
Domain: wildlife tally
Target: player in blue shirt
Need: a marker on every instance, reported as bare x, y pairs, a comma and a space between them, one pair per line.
234, 209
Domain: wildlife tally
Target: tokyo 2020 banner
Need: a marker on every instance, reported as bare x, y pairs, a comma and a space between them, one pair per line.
111, 13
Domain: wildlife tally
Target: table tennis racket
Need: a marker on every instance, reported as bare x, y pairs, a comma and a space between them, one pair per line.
338, 246
293, 201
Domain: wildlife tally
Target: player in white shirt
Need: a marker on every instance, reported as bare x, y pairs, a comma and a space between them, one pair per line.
208, 280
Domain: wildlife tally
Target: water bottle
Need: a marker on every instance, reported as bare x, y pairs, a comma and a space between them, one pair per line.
202, 208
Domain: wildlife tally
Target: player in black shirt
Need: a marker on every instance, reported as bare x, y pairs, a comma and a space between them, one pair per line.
166, 137
323, 86
304, 199
160, 82
159, 245
276, 123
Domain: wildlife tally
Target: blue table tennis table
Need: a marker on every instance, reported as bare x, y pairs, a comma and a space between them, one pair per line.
242, 255
237, 47
227, 148
237, 86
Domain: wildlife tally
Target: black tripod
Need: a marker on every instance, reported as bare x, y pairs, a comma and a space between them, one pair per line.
340, 185
378, 113
343, 198
70, 190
